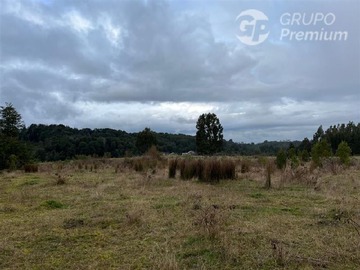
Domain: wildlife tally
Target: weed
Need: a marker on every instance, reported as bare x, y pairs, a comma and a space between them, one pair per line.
269, 169
278, 252
60, 180
209, 221
51, 204
133, 217
73, 223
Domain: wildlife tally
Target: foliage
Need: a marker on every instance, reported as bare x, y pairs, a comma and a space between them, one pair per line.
281, 159
292, 156
145, 139
320, 151
13, 152
344, 152
209, 135
10, 121
304, 155
305, 145
319, 134
349, 133
59, 142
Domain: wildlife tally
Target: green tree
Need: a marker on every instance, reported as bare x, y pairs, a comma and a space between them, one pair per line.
320, 151
304, 155
305, 145
13, 152
319, 134
10, 121
209, 135
145, 139
344, 152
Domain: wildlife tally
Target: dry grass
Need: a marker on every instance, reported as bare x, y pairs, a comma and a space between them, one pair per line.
106, 215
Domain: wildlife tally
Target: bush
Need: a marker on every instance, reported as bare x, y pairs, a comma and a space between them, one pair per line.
343, 152
31, 168
281, 159
320, 151
304, 155
12, 162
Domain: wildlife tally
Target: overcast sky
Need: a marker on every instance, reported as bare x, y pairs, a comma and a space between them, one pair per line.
160, 64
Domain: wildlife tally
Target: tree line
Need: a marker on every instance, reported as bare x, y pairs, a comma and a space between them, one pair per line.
20, 144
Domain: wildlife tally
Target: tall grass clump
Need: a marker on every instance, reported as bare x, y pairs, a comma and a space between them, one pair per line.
172, 168
188, 169
208, 170
31, 168
228, 169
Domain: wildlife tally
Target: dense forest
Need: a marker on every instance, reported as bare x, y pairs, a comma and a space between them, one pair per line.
59, 142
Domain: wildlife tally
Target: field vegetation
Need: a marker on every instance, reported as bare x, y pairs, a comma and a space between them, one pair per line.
156, 212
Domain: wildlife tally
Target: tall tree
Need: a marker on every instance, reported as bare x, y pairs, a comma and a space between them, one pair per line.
209, 135
13, 152
10, 121
145, 139
319, 134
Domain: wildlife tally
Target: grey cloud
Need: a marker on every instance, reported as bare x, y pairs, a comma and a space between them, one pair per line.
167, 51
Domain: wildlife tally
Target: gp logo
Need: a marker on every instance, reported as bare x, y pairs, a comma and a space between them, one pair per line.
253, 27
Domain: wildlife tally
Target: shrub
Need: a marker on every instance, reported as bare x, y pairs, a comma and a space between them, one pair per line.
281, 159
304, 155
31, 168
343, 152
320, 151
12, 162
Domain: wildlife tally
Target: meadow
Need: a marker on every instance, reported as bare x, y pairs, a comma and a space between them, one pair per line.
127, 213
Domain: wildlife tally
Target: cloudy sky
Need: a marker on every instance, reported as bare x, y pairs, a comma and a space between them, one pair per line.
131, 64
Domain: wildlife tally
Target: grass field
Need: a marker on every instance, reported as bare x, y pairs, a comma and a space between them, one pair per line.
102, 214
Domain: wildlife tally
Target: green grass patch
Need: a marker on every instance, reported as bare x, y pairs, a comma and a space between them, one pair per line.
52, 204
